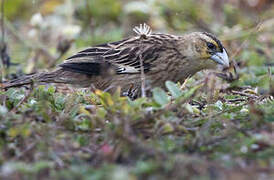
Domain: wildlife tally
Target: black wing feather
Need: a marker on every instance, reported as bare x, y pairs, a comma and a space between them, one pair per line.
84, 68
124, 55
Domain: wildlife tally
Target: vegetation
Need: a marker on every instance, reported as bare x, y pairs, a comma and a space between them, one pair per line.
206, 128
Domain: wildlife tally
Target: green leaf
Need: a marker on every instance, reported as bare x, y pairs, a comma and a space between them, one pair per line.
15, 96
28, 168
219, 105
101, 113
167, 128
173, 89
51, 89
160, 96
190, 92
137, 103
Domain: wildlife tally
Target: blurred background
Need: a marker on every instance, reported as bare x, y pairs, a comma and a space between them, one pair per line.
228, 124
42, 33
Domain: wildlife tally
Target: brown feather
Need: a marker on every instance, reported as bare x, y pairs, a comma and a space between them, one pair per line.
107, 66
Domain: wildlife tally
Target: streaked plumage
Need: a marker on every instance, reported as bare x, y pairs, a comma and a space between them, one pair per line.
164, 57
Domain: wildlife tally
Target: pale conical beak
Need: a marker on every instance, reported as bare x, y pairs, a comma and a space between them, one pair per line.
221, 58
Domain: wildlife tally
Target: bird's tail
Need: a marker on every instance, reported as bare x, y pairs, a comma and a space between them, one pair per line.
47, 77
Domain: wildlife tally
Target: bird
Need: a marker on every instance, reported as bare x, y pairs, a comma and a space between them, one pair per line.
158, 57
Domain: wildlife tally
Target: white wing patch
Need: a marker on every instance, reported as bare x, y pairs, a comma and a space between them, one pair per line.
126, 69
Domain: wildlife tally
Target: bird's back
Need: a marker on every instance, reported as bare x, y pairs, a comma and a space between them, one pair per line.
156, 57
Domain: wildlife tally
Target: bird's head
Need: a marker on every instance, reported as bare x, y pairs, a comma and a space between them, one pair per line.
207, 50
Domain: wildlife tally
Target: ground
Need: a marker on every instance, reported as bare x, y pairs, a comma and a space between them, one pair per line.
210, 127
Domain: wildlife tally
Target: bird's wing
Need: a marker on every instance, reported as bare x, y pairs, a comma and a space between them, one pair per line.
124, 56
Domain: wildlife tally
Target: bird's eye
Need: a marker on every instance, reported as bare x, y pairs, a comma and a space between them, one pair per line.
211, 46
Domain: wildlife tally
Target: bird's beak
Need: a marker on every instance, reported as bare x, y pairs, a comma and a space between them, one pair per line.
221, 58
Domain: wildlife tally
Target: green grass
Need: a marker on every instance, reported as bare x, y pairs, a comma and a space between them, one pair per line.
99, 136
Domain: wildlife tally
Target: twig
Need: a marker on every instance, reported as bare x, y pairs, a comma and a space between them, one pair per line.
136, 143
169, 108
143, 79
143, 31
244, 94
13, 32
29, 148
236, 100
251, 32
25, 98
